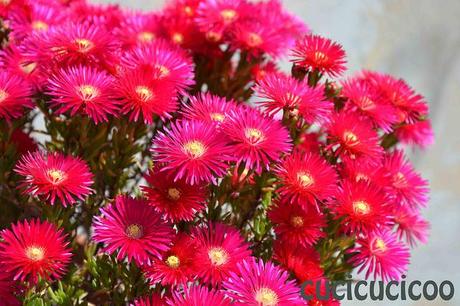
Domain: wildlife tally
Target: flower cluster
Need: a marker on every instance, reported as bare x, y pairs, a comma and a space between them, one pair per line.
180, 166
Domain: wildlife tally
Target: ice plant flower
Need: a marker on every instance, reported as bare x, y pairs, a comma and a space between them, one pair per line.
406, 185
33, 249
355, 137
381, 254
213, 17
54, 176
178, 264
257, 283
175, 199
7, 288
153, 300
256, 140
305, 177
361, 207
411, 226
192, 150
132, 229
419, 133
208, 108
83, 89
15, 95
297, 225
219, 248
314, 52
198, 295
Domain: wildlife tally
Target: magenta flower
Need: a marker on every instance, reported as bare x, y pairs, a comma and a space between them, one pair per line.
15, 95
257, 283
33, 249
196, 295
52, 176
208, 108
132, 229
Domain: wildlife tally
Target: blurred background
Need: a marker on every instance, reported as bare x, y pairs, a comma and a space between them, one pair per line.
418, 40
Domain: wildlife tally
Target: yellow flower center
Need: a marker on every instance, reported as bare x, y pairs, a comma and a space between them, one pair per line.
320, 58
173, 261
40, 26
35, 253
195, 148
218, 256
254, 135
28, 67
3, 95
145, 37
88, 92
305, 179
174, 194
399, 180
361, 177
188, 10
144, 93
361, 208
228, 15
350, 138
83, 45
367, 104
297, 221
134, 231
56, 176
254, 40
379, 245
217, 117
164, 71
178, 38
266, 297
213, 36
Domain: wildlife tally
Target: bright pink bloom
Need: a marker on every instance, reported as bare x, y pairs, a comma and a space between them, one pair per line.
282, 92
193, 150
296, 225
356, 171
144, 94
138, 29
355, 137
306, 177
170, 63
219, 248
419, 133
366, 100
7, 288
318, 53
133, 229
381, 255
178, 264
12, 59
406, 185
257, 283
361, 207
83, 89
153, 300
15, 95
33, 249
175, 199
256, 140
208, 108
411, 226
199, 296
54, 176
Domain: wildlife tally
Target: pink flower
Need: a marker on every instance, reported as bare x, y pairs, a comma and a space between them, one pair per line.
306, 177
355, 138
419, 133
295, 224
178, 264
257, 283
208, 108
411, 226
381, 255
144, 94
138, 29
175, 199
83, 89
401, 180
192, 150
219, 248
256, 140
7, 288
52, 176
133, 229
33, 249
361, 207
15, 95
196, 295
318, 53
153, 300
